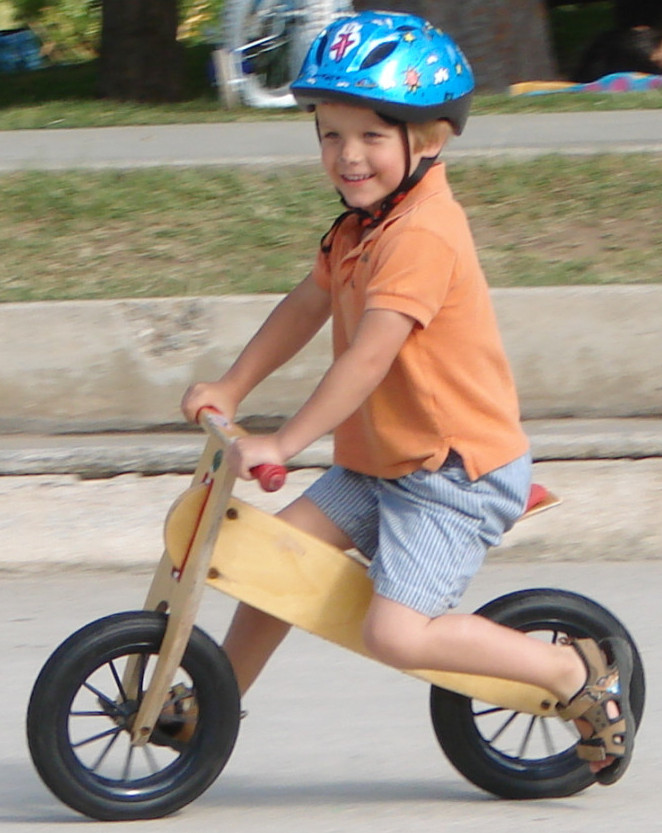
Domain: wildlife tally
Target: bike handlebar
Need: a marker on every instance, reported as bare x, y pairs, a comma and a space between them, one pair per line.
270, 476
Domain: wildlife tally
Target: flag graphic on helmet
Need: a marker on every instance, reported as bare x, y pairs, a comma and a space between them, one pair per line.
346, 39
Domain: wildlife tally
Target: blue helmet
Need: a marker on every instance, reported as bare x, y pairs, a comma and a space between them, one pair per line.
397, 64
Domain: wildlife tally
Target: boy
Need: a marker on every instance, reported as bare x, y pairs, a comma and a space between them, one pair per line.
431, 463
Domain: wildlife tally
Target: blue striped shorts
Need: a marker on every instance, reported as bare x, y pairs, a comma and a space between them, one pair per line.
425, 534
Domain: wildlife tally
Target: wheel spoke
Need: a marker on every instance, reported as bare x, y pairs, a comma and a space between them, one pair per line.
90, 713
547, 735
151, 760
114, 731
503, 727
126, 772
105, 700
527, 737
118, 681
95, 766
493, 710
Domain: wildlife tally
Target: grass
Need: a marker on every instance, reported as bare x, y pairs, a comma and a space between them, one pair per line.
165, 232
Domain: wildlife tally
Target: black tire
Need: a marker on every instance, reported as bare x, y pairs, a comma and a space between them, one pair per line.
79, 714
515, 755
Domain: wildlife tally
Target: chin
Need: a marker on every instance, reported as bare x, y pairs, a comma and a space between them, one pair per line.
354, 203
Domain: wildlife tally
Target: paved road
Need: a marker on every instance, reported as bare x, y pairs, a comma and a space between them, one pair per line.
332, 743
282, 142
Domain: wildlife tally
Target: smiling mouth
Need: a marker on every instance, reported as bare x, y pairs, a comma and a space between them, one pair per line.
356, 178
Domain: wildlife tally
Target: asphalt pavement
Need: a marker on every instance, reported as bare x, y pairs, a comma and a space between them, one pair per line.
332, 743
282, 142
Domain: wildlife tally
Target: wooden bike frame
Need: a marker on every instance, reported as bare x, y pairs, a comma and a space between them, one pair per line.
215, 539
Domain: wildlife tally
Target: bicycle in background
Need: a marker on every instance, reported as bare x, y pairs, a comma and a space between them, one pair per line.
263, 44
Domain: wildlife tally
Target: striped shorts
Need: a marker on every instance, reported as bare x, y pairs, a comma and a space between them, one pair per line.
425, 534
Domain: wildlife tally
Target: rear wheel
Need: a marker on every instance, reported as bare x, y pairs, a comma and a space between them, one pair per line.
80, 718
516, 755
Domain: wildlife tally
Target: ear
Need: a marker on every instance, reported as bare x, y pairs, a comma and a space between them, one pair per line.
434, 140
442, 137
434, 148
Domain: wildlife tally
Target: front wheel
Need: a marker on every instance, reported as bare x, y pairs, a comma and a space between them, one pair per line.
515, 755
80, 717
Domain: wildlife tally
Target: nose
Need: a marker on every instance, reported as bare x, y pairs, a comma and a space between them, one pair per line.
350, 151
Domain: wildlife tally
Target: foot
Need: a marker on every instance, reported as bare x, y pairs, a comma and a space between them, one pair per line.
601, 708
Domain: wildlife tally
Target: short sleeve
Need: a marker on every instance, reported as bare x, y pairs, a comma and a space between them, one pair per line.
411, 274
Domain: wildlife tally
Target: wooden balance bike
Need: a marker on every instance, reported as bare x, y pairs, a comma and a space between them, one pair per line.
137, 713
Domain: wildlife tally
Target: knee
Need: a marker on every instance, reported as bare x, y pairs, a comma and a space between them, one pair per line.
388, 643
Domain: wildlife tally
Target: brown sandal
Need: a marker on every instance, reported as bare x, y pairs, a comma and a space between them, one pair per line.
608, 673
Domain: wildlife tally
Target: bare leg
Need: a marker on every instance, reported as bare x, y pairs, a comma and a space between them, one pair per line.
469, 644
472, 644
253, 636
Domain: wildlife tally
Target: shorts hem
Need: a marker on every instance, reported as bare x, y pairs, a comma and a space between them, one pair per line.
430, 606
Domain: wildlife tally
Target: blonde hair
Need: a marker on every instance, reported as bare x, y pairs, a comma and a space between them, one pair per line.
428, 133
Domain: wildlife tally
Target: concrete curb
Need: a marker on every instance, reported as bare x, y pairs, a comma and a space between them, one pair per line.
610, 512
580, 352
109, 455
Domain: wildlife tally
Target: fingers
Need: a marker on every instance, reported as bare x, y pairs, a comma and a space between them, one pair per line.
247, 453
206, 395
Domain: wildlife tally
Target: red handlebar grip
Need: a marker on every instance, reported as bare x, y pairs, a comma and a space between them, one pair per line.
270, 476
205, 408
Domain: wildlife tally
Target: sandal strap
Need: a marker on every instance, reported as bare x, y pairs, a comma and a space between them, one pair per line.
608, 680
602, 682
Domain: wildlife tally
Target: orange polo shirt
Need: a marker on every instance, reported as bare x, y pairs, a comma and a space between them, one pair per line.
450, 387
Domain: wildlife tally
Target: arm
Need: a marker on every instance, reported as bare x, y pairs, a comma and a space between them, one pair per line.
344, 387
291, 325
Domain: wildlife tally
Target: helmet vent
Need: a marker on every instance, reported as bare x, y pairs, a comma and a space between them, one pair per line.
321, 46
379, 53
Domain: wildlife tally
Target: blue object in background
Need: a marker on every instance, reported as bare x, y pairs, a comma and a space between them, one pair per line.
20, 50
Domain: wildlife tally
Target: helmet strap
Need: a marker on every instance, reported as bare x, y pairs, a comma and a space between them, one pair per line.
408, 181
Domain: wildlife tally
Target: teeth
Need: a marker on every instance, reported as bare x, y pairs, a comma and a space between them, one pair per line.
356, 177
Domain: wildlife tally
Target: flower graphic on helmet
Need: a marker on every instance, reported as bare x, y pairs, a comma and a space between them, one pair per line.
413, 79
441, 75
346, 39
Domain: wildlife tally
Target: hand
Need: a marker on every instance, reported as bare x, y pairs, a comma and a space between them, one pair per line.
247, 452
208, 394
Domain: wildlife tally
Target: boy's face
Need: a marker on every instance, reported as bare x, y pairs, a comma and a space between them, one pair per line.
363, 156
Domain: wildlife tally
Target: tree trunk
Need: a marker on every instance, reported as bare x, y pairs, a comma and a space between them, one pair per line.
506, 41
140, 57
